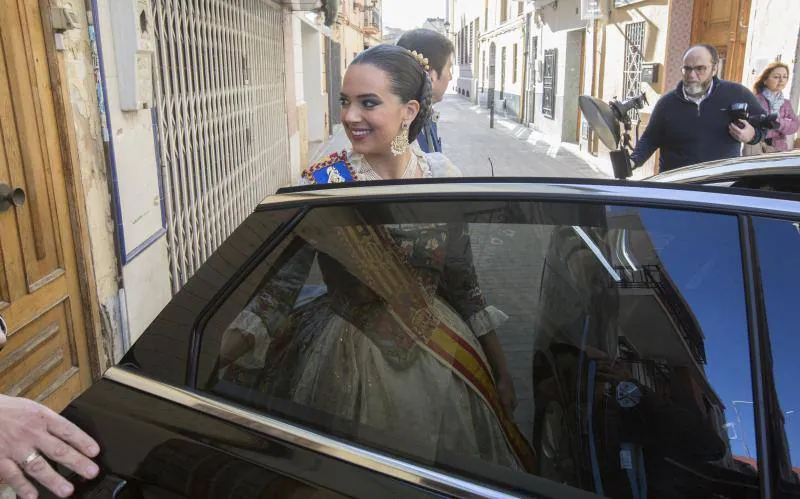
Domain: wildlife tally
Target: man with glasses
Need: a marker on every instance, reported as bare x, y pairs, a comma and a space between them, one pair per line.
691, 124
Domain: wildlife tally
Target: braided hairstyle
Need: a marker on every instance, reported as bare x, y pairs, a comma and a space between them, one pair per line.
407, 77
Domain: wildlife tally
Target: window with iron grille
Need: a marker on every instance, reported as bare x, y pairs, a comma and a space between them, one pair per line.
632, 70
549, 83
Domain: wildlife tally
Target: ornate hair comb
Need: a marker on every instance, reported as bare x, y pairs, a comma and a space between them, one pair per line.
421, 59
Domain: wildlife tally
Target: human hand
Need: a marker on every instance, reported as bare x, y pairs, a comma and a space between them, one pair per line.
27, 429
744, 134
508, 396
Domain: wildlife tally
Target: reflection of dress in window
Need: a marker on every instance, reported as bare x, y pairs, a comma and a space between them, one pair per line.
381, 359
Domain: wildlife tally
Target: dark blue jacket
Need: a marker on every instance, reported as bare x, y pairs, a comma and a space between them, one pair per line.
428, 138
689, 133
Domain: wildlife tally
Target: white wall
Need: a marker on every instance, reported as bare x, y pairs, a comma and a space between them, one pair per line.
297, 47
94, 174
146, 277
773, 33
507, 41
555, 32
313, 86
550, 40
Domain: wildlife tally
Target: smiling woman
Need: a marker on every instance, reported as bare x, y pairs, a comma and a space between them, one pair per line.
386, 98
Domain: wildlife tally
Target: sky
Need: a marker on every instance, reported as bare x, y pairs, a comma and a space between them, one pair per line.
705, 264
407, 14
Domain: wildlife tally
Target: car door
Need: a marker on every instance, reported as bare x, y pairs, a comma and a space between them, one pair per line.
160, 439
467, 340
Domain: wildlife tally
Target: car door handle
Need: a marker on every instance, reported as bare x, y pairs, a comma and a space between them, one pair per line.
107, 486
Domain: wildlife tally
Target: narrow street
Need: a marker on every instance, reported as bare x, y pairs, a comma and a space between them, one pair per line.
514, 149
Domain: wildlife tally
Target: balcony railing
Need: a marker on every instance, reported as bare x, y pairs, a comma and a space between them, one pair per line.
372, 21
650, 276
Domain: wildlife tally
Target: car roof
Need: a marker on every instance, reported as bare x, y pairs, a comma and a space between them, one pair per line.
557, 189
782, 163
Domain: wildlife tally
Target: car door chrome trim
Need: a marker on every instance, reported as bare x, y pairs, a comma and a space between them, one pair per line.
653, 194
395, 468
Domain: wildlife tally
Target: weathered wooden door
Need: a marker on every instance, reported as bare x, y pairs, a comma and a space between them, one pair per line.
46, 357
723, 24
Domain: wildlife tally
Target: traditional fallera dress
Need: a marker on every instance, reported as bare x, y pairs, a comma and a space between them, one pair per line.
392, 340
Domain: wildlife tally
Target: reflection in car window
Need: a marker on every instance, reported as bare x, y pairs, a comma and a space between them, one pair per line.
778, 244
599, 346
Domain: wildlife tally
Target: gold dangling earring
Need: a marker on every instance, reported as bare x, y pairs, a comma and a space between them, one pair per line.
400, 141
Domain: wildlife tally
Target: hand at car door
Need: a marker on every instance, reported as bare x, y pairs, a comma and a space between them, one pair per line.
29, 432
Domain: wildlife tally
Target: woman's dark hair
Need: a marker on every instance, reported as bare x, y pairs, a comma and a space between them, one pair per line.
759, 85
408, 78
432, 44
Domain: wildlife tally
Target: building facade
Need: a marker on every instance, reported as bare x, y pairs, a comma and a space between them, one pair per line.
556, 44
143, 132
538, 56
623, 40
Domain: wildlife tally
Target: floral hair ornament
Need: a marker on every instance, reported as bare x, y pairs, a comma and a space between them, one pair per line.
421, 59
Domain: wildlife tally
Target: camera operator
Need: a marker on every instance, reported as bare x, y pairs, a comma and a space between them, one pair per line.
692, 123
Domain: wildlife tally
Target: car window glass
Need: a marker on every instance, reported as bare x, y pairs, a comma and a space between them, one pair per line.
778, 243
604, 347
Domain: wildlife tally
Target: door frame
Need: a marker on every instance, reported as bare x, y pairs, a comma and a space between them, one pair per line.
737, 41
79, 224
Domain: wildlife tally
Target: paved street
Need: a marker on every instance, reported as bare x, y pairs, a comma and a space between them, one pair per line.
515, 150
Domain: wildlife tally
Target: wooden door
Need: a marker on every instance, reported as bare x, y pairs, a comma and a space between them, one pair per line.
46, 357
723, 24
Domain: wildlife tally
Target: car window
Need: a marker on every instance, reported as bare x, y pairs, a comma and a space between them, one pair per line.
777, 183
778, 243
604, 347
163, 349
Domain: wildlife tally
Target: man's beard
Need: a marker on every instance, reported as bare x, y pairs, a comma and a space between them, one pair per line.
696, 89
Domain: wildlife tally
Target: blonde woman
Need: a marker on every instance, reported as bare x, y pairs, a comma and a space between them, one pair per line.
769, 92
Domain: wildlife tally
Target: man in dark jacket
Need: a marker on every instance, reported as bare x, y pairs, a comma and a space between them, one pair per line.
691, 124
439, 51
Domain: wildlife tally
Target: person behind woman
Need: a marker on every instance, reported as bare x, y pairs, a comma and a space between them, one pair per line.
399, 307
438, 50
769, 92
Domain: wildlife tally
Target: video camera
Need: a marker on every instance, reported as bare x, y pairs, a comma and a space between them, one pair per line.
739, 111
605, 120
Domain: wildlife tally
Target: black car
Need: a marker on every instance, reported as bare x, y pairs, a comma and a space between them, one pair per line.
471, 338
